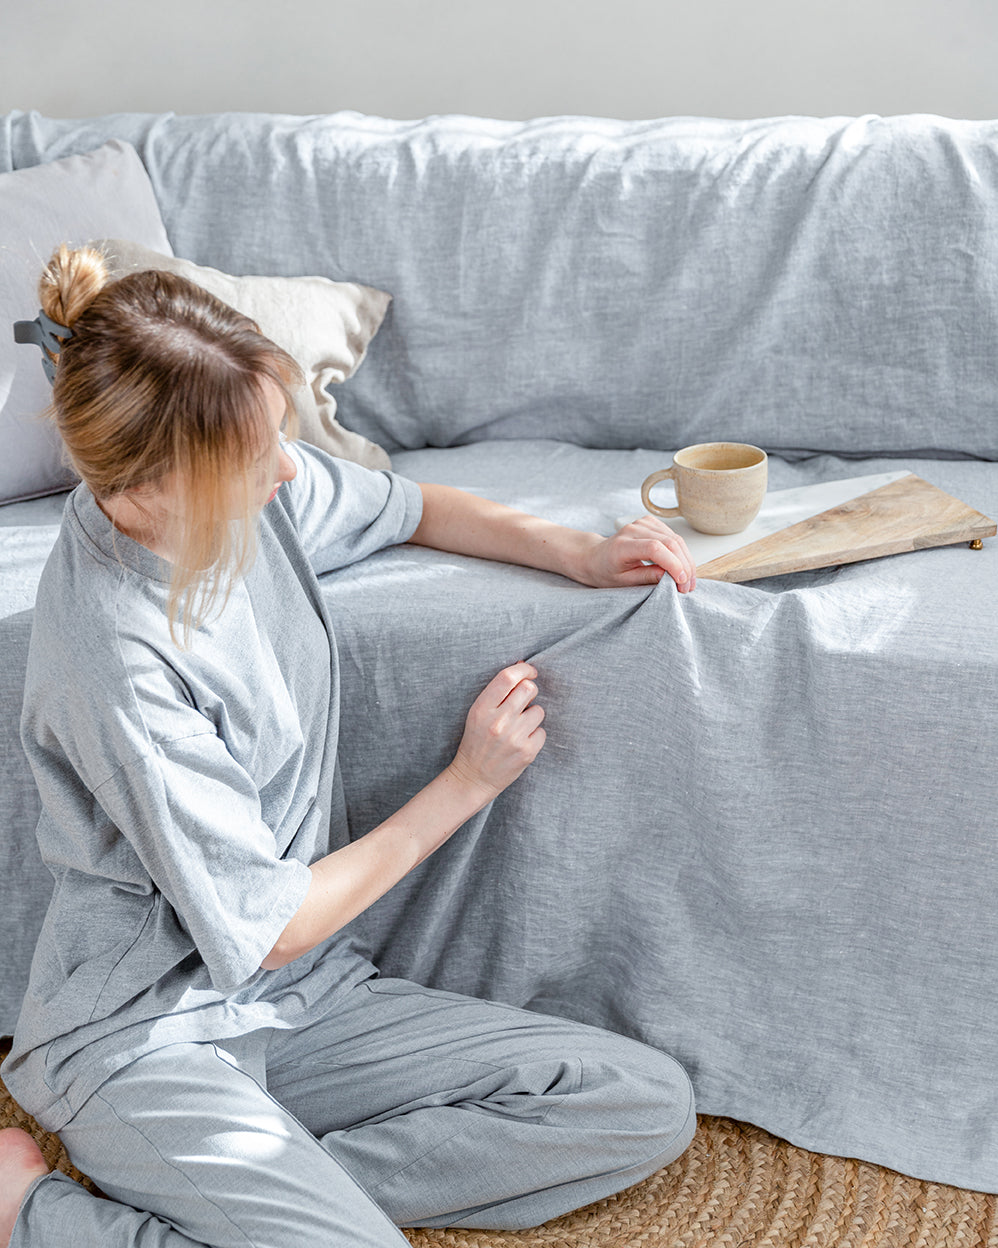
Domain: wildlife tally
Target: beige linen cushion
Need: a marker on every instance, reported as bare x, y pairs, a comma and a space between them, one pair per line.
325, 325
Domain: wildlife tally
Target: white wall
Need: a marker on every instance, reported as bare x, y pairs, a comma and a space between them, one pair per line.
518, 59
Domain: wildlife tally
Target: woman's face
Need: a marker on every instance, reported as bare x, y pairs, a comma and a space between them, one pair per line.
275, 466
154, 516
266, 475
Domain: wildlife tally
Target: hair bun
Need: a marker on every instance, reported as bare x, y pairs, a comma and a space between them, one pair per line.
71, 281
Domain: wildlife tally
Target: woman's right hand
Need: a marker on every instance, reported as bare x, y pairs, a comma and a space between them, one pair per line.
502, 736
503, 733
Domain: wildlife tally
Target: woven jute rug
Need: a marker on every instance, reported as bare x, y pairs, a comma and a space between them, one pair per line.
735, 1187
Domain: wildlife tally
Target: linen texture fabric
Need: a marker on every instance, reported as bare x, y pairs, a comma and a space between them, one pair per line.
761, 835
397, 1105
802, 284
105, 191
325, 326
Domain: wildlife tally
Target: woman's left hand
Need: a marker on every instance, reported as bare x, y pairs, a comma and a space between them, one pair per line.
640, 553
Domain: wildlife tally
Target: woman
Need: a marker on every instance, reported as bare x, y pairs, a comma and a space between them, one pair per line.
226, 1067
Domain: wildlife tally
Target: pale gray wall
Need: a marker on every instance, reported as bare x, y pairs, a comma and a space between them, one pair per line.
518, 59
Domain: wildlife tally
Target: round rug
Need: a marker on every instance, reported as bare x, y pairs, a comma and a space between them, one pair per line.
738, 1186
734, 1187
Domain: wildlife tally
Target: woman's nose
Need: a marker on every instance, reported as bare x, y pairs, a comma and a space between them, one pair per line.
286, 467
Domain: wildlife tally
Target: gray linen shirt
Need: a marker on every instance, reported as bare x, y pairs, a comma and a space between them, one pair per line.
184, 792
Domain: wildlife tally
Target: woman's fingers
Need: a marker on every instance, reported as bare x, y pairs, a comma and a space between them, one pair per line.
670, 542
673, 558
505, 682
506, 713
510, 691
503, 732
520, 696
647, 545
640, 553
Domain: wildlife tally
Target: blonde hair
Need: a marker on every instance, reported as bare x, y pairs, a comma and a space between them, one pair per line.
160, 377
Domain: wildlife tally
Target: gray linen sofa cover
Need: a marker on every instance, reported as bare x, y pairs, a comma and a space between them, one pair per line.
762, 834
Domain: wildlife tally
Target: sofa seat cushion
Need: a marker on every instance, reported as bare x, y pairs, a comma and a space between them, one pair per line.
596, 488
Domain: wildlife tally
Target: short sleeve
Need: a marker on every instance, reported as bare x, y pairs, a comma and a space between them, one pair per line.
192, 816
345, 512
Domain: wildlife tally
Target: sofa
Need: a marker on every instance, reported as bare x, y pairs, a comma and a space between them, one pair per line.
762, 834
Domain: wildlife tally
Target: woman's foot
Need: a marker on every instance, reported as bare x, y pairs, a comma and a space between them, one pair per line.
21, 1162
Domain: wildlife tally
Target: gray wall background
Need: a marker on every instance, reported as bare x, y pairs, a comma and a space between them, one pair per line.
518, 59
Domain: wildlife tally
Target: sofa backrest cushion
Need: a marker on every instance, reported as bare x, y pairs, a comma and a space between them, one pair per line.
105, 191
802, 284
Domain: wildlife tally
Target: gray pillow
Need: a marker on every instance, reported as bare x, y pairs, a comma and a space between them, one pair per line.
104, 192
326, 326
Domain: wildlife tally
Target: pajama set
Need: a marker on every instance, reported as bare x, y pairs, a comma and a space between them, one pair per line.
184, 794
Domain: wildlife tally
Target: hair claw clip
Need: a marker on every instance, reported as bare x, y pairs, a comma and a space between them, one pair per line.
44, 333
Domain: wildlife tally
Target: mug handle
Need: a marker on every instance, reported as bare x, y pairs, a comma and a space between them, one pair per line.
646, 488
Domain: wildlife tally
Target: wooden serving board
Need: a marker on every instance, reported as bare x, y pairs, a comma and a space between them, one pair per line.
908, 514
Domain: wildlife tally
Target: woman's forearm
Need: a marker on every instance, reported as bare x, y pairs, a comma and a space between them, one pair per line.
469, 525
502, 736
350, 879
638, 554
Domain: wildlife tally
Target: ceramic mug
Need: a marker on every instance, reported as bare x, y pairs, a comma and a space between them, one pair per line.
719, 486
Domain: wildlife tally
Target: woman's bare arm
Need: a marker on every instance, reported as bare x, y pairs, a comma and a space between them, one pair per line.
502, 736
638, 554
